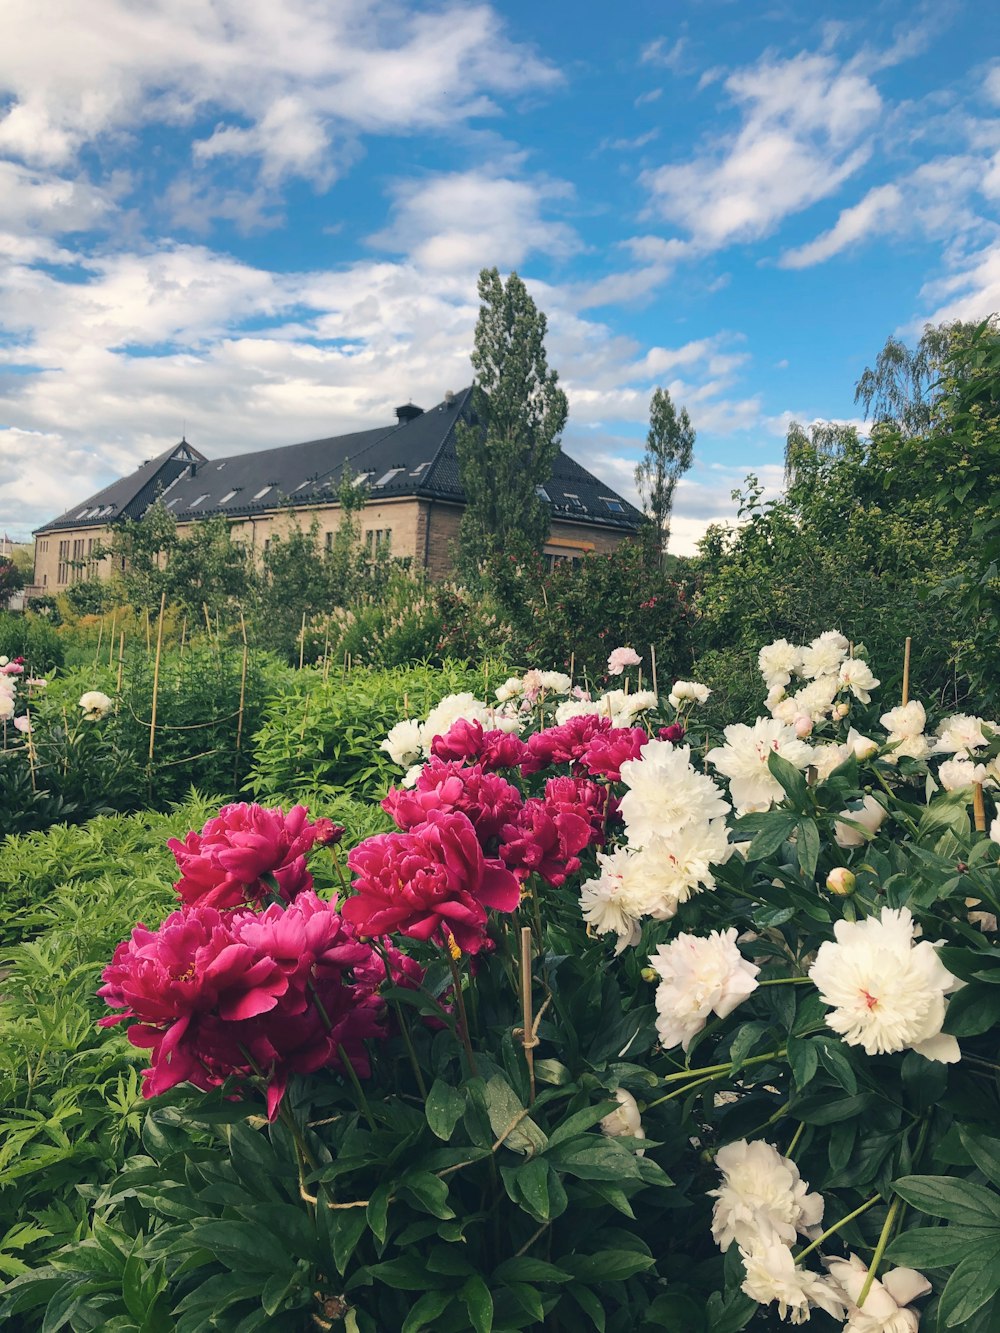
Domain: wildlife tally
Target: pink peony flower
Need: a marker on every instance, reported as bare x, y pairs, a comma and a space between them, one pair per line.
224, 865
487, 799
608, 750
563, 744
467, 740
13, 668
581, 797
429, 882
674, 733
23, 724
621, 658
545, 840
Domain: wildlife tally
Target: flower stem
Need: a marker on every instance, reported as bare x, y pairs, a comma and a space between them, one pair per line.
795, 1139
724, 1068
359, 1091
404, 1028
336, 866
463, 1017
786, 981
883, 1241
831, 1231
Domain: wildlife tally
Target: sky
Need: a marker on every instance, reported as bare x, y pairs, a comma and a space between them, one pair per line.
254, 223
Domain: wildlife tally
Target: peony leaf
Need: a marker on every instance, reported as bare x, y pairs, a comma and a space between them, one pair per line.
957, 1200
975, 1280
443, 1108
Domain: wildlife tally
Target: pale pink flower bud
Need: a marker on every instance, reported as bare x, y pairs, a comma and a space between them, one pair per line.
841, 881
803, 726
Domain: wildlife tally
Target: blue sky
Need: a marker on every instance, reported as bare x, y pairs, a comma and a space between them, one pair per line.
262, 223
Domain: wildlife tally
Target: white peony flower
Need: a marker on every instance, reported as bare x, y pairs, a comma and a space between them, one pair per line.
622, 708
7, 706
774, 697
857, 676
653, 880
995, 830
956, 773
404, 743
510, 689
95, 705
625, 1122
665, 793
743, 759
915, 747
884, 1308
410, 777
772, 1275
779, 662
556, 682
815, 700
959, 734
700, 976
826, 758
862, 747
824, 655
762, 1200
885, 992
906, 720
621, 658
870, 817
576, 708
688, 689
442, 718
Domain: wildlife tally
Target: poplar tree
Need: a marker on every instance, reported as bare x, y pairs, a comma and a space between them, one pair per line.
669, 449
507, 452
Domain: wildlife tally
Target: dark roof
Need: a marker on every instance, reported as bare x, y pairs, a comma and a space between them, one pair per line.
415, 456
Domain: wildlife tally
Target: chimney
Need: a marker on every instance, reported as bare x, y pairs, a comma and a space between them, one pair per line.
408, 412
449, 398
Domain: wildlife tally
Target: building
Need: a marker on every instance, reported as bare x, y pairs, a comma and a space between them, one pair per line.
414, 505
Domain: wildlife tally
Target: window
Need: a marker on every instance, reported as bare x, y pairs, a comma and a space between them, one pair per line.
418, 470
301, 487
363, 478
63, 570
263, 491
218, 467
267, 545
574, 500
194, 503
228, 496
388, 476
369, 541
328, 541
615, 506
82, 513
543, 494
378, 541
45, 580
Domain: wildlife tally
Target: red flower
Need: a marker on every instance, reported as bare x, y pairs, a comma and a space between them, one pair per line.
466, 740
224, 864
430, 881
563, 744
581, 797
673, 733
609, 749
546, 840
488, 800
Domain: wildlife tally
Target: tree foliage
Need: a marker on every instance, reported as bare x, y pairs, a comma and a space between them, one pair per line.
507, 452
669, 450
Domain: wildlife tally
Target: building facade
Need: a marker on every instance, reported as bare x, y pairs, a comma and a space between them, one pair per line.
413, 509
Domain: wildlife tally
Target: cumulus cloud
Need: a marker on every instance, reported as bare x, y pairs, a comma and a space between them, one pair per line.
805, 127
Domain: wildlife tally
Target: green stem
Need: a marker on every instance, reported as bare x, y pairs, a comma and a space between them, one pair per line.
463, 1018
404, 1028
883, 1241
359, 1091
336, 866
795, 1140
786, 981
689, 1087
724, 1068
832, 1231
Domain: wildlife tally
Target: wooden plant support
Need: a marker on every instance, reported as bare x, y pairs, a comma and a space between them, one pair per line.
148, 640
243, 695
978, 807
100, 640
652, 661
528, 1039
302, 641
156, 679
326, 656
184, 625
113, 641
121, 662
906, 671
572, 669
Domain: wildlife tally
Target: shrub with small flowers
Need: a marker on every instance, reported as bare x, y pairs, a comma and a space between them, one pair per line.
618, 1029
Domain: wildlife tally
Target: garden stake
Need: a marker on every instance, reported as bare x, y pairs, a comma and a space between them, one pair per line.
906, 672
208, 621
326, 655
528, 1039
148, 648
31, 748
572, 667
121, 660
111, 645
302, 641
100, 639
243, 693
156, 677
978, 808
652, 660
184, 625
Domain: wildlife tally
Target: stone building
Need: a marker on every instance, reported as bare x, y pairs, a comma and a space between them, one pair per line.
414, 503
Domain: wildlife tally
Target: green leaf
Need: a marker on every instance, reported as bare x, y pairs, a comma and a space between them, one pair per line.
378, 1210
579, 1121
348, 1227
791, 779
443, 1108
973, 1009
956, 1200
528, 1299
975, 1280
526, 1269
772, 834
589, 1304
509, 1120
807, 845
590, 1157
804, 1060
405, 1274
429, 1192
241, 1246
934, 1247
607, 1265
947, 813
479, 1303
837, 1063
425, 1310
533, 1183
984, 1151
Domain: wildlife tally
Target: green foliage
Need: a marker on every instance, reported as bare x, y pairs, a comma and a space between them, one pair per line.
509, 451
669, 450
33, 638
11, 578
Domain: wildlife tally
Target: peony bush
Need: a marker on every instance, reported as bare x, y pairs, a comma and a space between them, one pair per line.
623, 1027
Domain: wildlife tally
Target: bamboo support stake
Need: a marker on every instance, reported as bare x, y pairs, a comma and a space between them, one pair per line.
100, 640
302, 641
156, 679
978, 807
243, 695
652, 660
572, 668
208, 620
114, 640
31, 748
326, 656
148, 640
906, 672
528, 1038
184, 625
121, 662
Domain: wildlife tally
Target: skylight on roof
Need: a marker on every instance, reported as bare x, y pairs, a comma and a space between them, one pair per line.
574, 500
419, 469
176, 500
614, 505
388, 476
82, 513
219, 466
194, 503
301, 486
228, 496
362, 477
543, 494
263, 491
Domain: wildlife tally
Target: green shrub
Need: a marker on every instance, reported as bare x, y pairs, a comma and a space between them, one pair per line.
33, 638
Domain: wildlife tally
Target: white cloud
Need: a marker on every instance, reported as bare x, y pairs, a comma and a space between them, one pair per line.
876, 212
972, 292
664, 54
653, 95
804, 129
461, 221
287, 79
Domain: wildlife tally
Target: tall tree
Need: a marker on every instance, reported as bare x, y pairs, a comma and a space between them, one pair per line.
822, 439
508, 452
906, 385
669, 450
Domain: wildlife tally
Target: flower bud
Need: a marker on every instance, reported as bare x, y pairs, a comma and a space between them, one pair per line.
803, 726
649, 974
841, 881
842, 710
